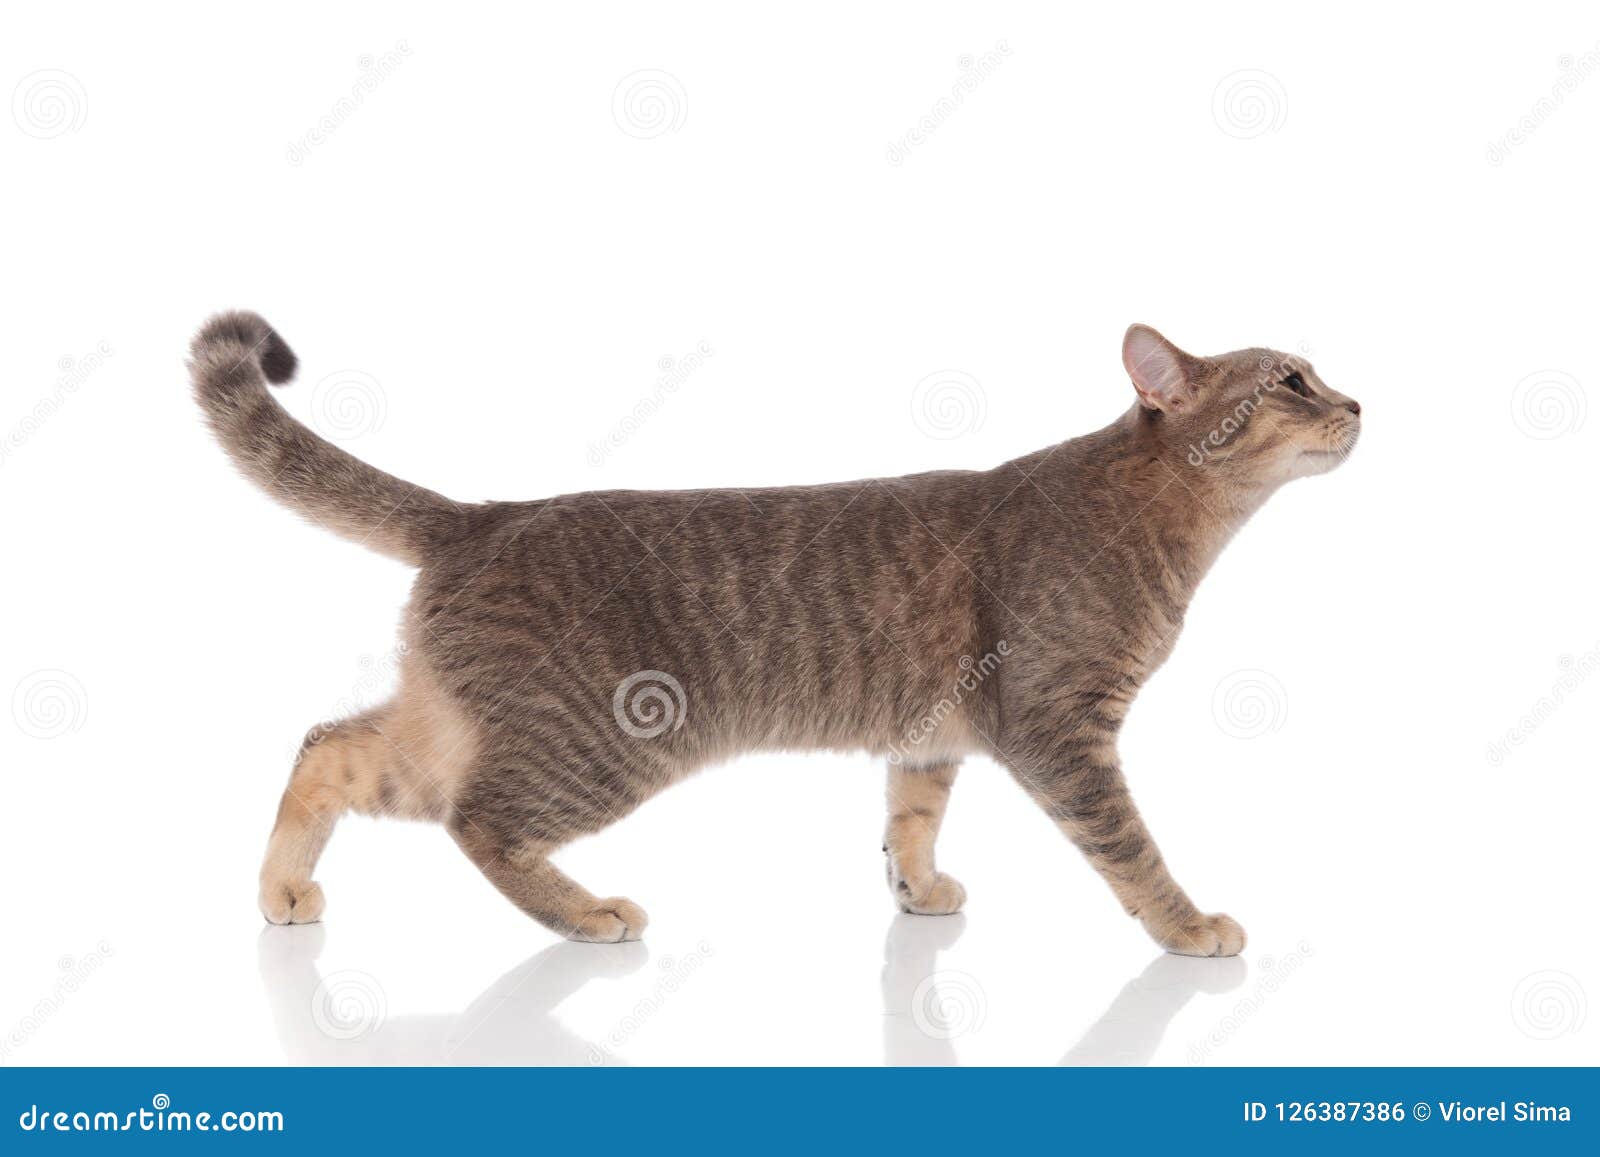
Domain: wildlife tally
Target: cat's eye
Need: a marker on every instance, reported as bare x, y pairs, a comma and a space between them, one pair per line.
1296, 383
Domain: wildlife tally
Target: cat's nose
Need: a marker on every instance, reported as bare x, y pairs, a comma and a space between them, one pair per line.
1354, 407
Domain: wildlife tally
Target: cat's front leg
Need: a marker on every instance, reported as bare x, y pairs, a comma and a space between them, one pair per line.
917, 798
1083, 789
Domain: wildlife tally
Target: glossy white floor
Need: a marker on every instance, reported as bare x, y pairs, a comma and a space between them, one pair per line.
1362, 949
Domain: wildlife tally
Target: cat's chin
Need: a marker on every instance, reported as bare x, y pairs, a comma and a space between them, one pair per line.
1311, 462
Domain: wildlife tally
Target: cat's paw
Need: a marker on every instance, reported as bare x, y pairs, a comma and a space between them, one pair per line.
1214, 935
291, 901
610, 921
941, 895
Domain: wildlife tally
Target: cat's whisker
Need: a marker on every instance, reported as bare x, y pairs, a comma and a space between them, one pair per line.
1345, 440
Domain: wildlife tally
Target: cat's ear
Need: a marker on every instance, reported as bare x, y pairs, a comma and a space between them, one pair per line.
1163, 375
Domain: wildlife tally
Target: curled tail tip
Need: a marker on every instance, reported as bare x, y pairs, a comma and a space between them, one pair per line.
278, 362
240, 336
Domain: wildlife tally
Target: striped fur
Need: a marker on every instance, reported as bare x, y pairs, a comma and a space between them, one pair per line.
570, 657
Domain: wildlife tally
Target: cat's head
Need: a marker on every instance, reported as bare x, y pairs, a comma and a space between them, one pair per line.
1257, 415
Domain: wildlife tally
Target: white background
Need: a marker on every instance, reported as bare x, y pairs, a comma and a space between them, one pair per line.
492, 255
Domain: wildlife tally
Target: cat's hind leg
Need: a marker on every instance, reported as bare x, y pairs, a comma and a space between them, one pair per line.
346, 765
917, 797
519, 806
404, 759
525, 876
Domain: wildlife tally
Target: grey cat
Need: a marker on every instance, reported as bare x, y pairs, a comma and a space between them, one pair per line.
568, 658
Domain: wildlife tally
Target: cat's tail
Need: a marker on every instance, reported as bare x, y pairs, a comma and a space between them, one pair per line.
231, 360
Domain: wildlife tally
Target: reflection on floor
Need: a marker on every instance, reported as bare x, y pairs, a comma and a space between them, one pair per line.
324, 1020
339, 1018
1130, 1031
926, 1009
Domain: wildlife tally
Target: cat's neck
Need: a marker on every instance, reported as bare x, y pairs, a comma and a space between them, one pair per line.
1192, 510
1140, 478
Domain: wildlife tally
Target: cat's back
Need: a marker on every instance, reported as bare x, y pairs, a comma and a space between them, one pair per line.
576, 541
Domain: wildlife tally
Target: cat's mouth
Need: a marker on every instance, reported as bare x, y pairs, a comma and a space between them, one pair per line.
1337, 447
